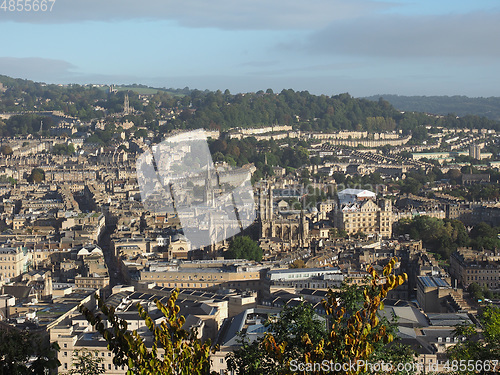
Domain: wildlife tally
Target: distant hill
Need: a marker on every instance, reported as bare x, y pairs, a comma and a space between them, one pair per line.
147, 90
196, 109
443, 105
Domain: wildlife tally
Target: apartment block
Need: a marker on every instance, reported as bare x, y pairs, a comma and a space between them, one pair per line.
13, 262
364, 214
469, 266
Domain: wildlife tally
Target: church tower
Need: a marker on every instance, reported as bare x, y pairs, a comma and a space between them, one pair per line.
304, 229
126, 105
209, 188
262, 207
266, 210
270, 202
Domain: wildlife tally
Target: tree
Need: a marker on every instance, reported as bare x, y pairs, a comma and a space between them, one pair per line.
298, 263
484, 237
243, 247
37, 175
351, 337
291, 325
351, 331
24, 352
442, 236
477, 347
183, 353
85, 362
475, 291
63, 149
6, 150
5, 179
141, 133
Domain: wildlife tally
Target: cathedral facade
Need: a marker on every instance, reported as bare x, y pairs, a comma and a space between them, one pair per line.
290, 228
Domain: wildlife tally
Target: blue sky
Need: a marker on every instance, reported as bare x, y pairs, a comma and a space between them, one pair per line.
364, 47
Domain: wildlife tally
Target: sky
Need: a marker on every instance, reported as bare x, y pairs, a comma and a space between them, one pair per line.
363, 47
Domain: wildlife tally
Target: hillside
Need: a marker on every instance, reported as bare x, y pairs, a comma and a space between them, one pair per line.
443, 105
162, 111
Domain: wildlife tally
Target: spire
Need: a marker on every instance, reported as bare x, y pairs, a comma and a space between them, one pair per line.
270, 201
209, 189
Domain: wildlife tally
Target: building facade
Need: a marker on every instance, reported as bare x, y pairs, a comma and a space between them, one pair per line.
366, 216
468, 266
13, 262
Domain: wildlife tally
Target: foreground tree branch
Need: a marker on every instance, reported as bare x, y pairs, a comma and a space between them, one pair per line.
183, 353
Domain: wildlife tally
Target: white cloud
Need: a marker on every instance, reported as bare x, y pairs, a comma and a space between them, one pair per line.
472, 36
223, 14
36, 68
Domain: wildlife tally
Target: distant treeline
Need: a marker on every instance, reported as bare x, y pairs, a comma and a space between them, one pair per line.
443, 105
313, 113
220, 110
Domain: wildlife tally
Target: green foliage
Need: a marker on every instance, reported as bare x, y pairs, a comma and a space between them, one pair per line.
222, 110
243, 247
63, 149
479, 293
443, 105
352, 335
37, 175
476, 291
26, 124
102, 137
184, 354
298, 263
410, 186
86, 362
291, 325
141, 133
6, 150
477, 192
73, 100
23, 352
442, 236
354, 332
475, 346
5, 179
338, 233
484, 237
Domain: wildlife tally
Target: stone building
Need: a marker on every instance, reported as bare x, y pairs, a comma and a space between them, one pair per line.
292, 227
13, 262
365, 215
483, 268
